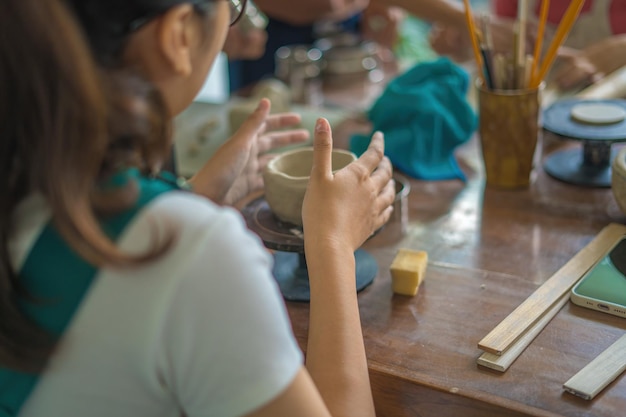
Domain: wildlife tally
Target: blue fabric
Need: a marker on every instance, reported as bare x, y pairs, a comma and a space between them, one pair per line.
58, 294
424, 115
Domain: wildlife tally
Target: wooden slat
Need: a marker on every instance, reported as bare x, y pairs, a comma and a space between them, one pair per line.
502, 362
526, 314
600, 372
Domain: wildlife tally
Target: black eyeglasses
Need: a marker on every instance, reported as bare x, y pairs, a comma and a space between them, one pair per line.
237, 10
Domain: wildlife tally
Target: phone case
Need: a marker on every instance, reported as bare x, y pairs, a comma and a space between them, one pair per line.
603, 287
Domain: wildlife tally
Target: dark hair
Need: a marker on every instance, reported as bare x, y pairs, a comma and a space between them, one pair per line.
64, 125
108, 23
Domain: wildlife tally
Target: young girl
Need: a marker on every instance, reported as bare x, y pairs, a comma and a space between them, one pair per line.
134, 37
124, 296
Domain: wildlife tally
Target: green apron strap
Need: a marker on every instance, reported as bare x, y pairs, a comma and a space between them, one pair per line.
59, 279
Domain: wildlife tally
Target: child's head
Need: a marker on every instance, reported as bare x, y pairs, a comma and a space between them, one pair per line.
66, 125
172, 43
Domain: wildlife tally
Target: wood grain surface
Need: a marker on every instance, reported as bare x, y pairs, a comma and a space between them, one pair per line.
488, 250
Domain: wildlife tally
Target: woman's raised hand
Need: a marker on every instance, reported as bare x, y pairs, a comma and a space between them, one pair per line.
348, 206
236, 169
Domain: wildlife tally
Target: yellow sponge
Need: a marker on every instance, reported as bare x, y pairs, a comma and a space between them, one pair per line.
407, 271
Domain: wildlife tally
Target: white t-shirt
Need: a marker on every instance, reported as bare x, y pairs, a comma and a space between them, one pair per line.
202, 331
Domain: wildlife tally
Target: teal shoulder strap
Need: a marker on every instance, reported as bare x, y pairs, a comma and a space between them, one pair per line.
59, 279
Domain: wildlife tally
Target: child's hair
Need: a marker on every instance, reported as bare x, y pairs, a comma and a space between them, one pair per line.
109, 23
65, 125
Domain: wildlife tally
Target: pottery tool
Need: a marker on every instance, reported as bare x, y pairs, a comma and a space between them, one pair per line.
528, 70
543, 18
520, 321
600, 372
502, 362
486, 50
499, 70
517, 60
486, 31
489, 72
561, 34
520, 46
469, 20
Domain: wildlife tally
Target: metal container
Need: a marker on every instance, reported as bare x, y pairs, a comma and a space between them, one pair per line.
300, 66
349, 59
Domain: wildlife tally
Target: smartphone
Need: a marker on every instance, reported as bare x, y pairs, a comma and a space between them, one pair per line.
603, 287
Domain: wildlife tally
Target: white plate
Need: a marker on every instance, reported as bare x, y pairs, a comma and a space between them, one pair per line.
598, 113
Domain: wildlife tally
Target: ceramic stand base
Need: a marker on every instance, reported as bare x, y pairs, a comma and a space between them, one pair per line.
291, 273
590, 167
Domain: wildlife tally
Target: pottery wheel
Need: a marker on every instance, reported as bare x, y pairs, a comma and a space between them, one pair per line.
598, 124
290, 270
276, 235
561, 117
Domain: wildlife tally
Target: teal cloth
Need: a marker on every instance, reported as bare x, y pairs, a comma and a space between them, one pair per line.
45, 275
424, 115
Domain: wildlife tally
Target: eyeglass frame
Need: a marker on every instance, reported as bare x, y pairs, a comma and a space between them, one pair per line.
199, 5
240, 12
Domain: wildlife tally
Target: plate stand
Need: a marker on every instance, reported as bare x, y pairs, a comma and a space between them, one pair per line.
591, 167
287, 242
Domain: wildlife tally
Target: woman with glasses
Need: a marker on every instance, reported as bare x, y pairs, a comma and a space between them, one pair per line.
122, 294
132, 36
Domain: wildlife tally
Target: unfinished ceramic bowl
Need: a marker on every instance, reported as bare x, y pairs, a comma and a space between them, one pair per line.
286, 178
618, 179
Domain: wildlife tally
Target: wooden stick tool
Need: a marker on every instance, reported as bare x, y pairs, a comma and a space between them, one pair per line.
513, 327
600, 372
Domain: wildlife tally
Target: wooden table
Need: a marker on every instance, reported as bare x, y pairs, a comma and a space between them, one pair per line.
488, 250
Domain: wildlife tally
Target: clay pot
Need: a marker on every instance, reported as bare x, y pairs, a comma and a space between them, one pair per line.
618, 179
286, 178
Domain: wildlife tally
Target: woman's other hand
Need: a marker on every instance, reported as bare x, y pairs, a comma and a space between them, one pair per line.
236, 168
